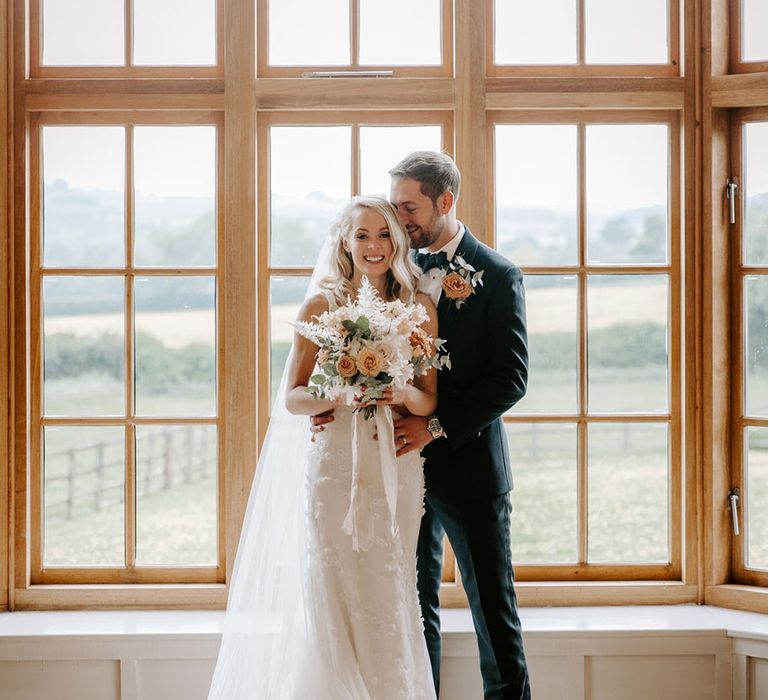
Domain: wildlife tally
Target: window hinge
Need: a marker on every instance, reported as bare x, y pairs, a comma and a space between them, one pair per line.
734, 499
731, 189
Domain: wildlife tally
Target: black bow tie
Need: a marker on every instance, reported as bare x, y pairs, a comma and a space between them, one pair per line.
426, 261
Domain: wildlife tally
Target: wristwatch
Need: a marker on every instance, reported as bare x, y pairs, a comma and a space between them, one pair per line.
434, 427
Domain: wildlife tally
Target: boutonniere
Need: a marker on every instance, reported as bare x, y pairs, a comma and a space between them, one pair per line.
460, 280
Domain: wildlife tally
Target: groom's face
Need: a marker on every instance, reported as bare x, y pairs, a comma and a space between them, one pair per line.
418, 214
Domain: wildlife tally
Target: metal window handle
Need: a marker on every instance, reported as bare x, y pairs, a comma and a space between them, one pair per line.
731, 188
733, 506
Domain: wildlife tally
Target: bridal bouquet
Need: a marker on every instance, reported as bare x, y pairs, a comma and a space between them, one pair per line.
368, 345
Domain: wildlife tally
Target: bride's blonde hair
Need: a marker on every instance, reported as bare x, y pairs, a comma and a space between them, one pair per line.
403, 272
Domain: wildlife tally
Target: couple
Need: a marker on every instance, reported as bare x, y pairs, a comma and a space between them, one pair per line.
309, 614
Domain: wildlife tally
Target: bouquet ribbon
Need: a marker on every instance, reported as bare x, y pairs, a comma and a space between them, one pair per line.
368, 457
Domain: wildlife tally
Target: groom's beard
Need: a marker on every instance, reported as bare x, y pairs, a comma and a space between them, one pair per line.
422, 237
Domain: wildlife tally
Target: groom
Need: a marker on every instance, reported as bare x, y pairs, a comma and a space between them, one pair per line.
467, 468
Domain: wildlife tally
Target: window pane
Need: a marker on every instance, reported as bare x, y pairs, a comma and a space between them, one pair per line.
310, 181
551, 303
175, 346
753, 24
756, 193
756, 361
535, 32
628, 493
627, 166
84, 475
383, 147
628, 356
84, 346
632, 31
174, 32
536, 193
83, 33
176, 495
400, 32
756, 504
286, 295
320, 38
83, 219
544, 518
175, 193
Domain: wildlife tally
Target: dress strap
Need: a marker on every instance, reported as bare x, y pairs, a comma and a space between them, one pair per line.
329, 295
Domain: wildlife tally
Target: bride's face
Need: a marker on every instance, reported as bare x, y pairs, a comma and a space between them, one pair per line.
370, 243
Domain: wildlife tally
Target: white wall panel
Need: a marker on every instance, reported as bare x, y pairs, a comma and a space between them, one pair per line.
60, 680
757, 673
163, 679
657, 677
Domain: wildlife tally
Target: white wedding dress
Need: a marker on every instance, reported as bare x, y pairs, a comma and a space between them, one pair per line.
364, 604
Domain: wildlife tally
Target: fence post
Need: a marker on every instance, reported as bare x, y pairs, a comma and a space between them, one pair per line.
189, 464
71, 482
168, 442
99, 476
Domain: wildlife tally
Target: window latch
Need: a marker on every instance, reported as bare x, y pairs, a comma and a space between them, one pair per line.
731, 188
733, 506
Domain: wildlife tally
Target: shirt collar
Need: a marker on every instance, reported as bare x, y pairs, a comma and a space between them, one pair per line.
452, 246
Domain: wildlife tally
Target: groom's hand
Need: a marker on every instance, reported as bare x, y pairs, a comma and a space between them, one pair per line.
411, 434
318, 421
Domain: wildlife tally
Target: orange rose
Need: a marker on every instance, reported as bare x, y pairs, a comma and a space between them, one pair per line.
346, 367
456, 287
370, 362
421, 342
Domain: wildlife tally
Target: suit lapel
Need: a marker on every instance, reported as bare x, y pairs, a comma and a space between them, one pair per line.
446, 308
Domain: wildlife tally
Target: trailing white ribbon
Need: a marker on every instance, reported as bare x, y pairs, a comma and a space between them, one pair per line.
365, 460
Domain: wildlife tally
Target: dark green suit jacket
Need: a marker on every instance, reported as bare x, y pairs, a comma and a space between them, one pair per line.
488, 344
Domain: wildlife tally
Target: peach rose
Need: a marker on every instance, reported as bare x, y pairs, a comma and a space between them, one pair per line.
456, 287
346, 367
370, 362
421, 342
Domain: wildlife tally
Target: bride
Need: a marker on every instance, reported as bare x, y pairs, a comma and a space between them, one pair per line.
315, 611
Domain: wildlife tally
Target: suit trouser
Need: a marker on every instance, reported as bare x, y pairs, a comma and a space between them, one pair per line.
479, 532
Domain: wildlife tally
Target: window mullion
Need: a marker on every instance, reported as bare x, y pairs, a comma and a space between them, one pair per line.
130, 429
581, 462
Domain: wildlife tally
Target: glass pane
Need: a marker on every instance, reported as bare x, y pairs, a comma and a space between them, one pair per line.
320, 38
756, 193
84, 346
84, 477
175, 193
535, 32
83, 33
756, 502
628, 493
175, 346
627, 338
551, 304
286, 295
383, 147
83, 218
176, 495
756, 361
536, 193
174, 32
627, 170
544, 516
753, 24
310, 181
400, 33
633, 31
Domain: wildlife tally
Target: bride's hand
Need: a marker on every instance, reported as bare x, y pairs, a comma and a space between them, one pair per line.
391, 396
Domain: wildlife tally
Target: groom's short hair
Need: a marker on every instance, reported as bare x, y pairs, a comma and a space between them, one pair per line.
436, 172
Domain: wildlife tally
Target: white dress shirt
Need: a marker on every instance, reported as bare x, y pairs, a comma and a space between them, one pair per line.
430, 280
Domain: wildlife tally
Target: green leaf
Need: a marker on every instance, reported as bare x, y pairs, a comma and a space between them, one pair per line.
318, 379
363, 324
350, 326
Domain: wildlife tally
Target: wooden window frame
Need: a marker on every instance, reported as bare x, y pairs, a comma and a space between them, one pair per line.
741, 574
128, 70
581, 68
584, 571
32, 549
443, 70
737, 63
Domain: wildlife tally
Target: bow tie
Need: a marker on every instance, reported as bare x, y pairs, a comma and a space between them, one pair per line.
426, 261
